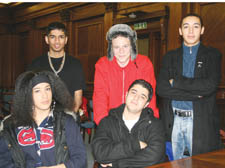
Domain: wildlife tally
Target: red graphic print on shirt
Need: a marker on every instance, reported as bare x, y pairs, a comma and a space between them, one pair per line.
26, 137
47, 139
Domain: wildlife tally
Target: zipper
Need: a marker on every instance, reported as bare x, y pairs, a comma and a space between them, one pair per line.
123, 87
138, 123
190, 50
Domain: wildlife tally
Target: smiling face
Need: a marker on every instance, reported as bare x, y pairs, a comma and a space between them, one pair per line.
42, 97
56, 40
191, 30
122, 50
137, 99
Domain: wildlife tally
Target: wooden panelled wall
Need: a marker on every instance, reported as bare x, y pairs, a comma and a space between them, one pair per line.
22, 33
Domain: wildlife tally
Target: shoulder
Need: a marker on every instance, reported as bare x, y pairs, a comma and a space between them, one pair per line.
70, 119
103, 65
7, 122
110, 119
107, 123
210, 50
39, 62
142, 58
143, 62
39, 59
65, 120
173, 52
73, 59
102, 61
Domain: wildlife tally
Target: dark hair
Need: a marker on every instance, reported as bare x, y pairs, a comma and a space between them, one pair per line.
192, 14
145, 85
54, 26
22, 112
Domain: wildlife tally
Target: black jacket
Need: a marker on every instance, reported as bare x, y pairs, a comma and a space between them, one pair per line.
201, 90
114, 143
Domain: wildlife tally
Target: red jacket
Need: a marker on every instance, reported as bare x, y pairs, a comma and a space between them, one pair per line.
112, 82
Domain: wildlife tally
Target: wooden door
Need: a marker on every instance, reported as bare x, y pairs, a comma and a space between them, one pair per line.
89, 47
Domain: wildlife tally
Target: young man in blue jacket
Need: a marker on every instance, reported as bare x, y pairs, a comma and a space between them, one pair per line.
130, 136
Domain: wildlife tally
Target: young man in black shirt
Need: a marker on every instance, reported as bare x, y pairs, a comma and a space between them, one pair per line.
68, 68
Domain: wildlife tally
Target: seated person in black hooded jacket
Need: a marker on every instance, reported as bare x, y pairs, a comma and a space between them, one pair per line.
130, 136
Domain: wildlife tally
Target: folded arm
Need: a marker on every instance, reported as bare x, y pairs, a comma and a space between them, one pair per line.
106, 149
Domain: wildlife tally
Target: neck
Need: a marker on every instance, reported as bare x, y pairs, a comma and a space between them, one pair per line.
54, 54
128, 115
122, 65
191, 45
40, 115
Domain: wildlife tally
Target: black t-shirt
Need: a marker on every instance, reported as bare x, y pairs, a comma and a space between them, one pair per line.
72, 73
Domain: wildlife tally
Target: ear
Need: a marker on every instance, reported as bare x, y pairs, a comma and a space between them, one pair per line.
202, 31
46, 39
126, 94
180, 32
66, 40
146, 104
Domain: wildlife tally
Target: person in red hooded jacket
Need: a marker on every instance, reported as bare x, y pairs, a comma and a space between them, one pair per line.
115, 72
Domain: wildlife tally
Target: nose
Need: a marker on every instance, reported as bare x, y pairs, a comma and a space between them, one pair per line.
191, 30
57, 39
44, 94
136, 97
121, 49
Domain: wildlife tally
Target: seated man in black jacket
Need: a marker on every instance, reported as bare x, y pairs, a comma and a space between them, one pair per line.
130, 136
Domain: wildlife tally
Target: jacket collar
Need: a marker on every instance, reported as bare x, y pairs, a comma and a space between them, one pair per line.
130, 64
118, 112
179, 57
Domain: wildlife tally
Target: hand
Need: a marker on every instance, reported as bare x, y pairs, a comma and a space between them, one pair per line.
107, 165
57, 166
143, 144
171, 81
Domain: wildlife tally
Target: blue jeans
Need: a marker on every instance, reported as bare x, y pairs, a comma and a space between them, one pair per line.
182, 136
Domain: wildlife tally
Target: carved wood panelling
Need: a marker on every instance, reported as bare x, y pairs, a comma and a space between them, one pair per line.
42, 9
6, 60
89, 42
213, 16
175, 14
88, 11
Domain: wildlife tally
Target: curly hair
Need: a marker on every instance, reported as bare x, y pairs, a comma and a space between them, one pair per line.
22, 112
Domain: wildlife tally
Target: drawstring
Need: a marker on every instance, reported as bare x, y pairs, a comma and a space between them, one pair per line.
135, 64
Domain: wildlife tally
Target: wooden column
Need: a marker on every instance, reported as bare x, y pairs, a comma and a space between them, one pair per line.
173, 25
108, 21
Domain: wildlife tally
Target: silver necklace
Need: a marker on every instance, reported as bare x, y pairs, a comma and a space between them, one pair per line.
61, 66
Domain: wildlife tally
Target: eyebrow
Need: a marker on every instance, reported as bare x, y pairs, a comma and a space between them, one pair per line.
144, 96
45, 87
194, 24
141, 94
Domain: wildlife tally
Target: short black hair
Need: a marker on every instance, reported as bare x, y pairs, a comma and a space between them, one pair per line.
192, 14
145, 85
54, 26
